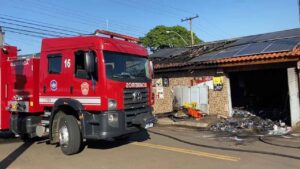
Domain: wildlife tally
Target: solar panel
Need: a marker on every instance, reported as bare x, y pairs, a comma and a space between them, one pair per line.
282, 45
251, 49
226, 53
204, 57
254, 48
268, 36
288, 33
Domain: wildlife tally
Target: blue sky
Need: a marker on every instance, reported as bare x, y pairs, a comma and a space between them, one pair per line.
218, 19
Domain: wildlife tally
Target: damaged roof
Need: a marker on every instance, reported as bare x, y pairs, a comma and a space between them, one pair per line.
263, 46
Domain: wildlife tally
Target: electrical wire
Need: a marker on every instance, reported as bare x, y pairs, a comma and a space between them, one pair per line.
30, 31
78, 16
35, 28
44, 24
26, 34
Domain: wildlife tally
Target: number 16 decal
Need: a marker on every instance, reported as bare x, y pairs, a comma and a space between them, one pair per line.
67, 63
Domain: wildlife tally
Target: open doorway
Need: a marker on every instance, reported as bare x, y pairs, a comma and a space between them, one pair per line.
264, 93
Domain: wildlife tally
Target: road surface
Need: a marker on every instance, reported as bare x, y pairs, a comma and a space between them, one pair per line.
160, 148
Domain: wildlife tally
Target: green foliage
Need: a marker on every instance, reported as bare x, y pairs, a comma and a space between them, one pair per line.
158, 37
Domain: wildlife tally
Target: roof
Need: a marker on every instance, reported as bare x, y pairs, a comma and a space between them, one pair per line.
256, 47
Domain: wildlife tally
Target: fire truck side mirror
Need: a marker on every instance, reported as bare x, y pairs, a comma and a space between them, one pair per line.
151, 69
89, 61
4, 50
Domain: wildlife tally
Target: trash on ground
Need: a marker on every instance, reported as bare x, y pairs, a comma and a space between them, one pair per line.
236, 138
243, 121
192, 111
188, 112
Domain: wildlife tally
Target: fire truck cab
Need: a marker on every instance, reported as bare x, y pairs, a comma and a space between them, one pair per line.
78, 88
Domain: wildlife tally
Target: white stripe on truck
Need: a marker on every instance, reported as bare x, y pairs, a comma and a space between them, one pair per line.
82, 100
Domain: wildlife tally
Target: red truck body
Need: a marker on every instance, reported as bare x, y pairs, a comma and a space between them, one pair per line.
5, 53
104, 83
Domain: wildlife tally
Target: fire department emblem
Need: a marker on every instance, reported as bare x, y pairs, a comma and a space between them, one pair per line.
84, 88
53, 85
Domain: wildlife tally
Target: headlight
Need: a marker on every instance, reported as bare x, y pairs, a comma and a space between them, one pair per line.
112, 104
113, 119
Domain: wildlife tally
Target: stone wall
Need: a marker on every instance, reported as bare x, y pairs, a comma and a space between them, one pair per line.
218, 100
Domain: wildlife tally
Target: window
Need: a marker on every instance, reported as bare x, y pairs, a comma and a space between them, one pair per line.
126, 67
54, 63
80, 69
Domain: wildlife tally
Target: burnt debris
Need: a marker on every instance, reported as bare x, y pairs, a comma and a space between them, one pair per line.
244, 121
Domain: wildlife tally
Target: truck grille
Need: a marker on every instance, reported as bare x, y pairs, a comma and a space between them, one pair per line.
135, 103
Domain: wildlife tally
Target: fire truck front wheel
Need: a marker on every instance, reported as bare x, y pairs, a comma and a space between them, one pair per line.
70, 139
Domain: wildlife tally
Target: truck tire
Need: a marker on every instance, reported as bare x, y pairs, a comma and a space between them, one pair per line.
69, 135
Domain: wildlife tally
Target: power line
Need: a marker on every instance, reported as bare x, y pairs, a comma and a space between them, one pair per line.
207, 33
35, 28
184, 11
59, 16
77, 15
26, 34
38, 23
30, 31
168, 10
35, 24
83, 13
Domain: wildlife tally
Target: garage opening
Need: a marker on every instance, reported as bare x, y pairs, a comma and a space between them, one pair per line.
262, 92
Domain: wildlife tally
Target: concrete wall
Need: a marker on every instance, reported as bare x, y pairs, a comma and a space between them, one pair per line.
218, 100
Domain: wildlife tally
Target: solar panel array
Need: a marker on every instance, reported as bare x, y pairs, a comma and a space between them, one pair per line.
257, 44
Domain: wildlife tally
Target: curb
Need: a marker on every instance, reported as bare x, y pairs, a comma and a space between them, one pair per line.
189, 124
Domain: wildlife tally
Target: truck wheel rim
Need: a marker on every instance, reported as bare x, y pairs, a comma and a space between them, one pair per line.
63, 136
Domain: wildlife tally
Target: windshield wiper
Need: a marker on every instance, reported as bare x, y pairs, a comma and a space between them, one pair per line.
123, 75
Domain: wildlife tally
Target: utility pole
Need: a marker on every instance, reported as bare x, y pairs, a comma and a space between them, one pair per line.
1, 37
190, 19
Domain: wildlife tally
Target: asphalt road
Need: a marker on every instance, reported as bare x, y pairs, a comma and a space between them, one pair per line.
161, 148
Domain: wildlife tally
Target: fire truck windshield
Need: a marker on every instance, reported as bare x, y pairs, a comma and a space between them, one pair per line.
126, 67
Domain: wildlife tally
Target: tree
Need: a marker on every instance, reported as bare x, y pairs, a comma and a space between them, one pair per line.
163, 36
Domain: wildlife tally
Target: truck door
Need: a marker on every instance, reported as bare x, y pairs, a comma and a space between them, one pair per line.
84, 85
54, 77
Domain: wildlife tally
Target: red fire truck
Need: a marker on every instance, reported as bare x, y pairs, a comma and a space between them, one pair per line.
78, 88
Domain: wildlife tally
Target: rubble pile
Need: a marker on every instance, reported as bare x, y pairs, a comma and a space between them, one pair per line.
242, 121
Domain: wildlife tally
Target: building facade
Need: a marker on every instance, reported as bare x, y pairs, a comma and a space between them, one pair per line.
258, 73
